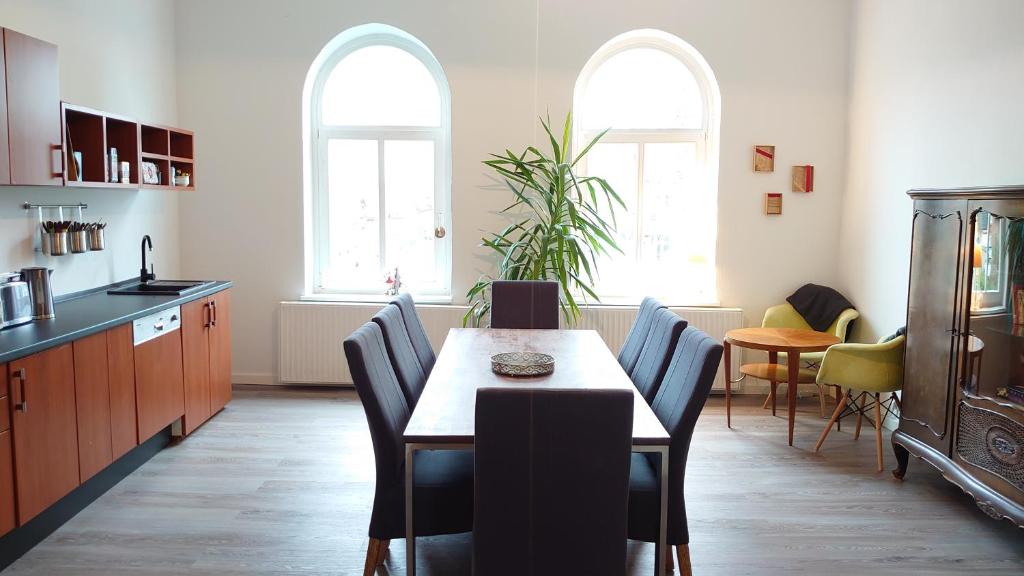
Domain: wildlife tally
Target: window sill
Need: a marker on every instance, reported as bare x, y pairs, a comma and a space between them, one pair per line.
369, 299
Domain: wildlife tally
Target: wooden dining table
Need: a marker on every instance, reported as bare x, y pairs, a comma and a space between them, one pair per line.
444, 415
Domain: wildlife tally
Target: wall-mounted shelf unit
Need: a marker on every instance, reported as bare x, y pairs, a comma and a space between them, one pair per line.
171, 149
94, 133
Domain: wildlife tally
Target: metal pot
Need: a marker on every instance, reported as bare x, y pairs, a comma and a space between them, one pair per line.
58, 243
97, 240
79, 241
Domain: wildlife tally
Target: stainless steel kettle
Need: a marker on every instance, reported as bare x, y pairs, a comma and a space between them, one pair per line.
38, 280
15, 303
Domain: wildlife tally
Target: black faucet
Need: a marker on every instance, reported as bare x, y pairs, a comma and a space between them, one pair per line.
145, 275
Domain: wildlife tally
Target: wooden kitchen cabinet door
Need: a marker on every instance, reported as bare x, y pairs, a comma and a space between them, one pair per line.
92, 403
44, 428
5, 151
124, 433
159, 383
8, 519
220, 350
33, 111
195, 343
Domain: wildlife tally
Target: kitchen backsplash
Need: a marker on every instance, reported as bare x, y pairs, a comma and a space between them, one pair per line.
129, 215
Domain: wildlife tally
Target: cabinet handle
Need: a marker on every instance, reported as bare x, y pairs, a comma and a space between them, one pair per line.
213, 312
207, 315
20, 375
57, 160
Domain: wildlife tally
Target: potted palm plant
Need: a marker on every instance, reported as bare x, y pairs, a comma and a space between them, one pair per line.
562, 223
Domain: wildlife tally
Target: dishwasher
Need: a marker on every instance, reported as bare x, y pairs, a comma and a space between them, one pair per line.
159, 374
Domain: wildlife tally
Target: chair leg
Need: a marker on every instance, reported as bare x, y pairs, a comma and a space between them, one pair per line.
683, 553
828, 427
670, 564
878, 431
860, 416
841, 401
375, 553
775, 396
821, 401
768, 398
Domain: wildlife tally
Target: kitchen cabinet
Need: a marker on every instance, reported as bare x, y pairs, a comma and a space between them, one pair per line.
195, 342
92, 403
220, 350
8, 519
44, 428
159, 382
124, 433
5, 151
33, 116
206, 339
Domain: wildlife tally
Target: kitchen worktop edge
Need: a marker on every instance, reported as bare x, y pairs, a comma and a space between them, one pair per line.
89, 312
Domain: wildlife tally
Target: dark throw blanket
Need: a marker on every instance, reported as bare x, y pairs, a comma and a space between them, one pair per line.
819, 305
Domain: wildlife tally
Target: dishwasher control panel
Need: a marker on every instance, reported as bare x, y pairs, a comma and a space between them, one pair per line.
155, 325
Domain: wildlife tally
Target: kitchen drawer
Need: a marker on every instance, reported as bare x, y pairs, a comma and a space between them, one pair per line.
5, 414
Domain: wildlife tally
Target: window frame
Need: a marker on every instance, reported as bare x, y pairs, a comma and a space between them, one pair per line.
321, 134
705, 138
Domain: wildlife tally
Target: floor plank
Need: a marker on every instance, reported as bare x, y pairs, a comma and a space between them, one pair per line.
281, 483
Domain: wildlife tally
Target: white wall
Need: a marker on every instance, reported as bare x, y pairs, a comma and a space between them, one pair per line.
115, 55
782, 68
935, 102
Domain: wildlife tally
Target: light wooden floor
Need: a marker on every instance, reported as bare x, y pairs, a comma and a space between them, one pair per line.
282, 483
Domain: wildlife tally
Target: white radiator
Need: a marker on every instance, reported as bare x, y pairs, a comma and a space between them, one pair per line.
312, 332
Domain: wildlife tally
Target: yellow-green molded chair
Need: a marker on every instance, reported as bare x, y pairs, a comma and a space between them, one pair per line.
785, 316
871, 370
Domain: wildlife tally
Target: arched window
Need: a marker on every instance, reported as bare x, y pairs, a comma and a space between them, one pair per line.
379, 159
659, 101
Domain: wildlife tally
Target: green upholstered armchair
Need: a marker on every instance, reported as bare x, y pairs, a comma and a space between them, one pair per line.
870, 369
785, 316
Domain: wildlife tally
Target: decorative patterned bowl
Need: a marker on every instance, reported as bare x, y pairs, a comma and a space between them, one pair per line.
522, 364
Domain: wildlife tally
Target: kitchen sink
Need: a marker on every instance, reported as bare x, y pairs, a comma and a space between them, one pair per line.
161, 288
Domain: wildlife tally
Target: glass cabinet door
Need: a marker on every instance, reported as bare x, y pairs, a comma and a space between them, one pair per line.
993, 346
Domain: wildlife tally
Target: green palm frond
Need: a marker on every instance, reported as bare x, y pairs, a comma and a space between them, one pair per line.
562, 229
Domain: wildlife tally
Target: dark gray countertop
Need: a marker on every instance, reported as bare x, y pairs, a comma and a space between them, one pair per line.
88, 313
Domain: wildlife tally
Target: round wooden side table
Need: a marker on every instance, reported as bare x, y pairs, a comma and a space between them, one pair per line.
792, 341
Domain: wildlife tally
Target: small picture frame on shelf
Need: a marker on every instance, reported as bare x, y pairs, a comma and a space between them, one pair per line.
150, 173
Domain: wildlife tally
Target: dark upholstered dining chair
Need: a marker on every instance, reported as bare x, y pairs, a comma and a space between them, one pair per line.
552, 476
443, 491
417, 335
630, 351
679, 402
656, 352
401, 353
524, 304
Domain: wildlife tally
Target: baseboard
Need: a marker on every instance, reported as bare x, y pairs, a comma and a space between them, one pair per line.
264, 378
